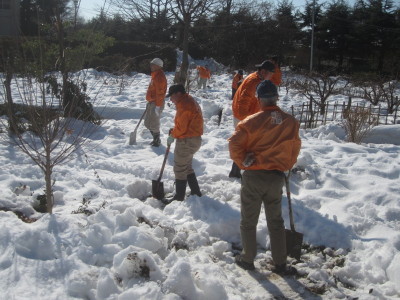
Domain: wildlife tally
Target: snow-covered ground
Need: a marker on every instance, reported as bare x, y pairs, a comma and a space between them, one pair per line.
345, 199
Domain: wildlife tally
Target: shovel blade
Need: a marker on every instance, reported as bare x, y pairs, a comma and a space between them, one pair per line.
294, 241
132, 138
157, 189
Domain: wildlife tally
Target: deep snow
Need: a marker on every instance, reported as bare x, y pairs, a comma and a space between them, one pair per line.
345, 198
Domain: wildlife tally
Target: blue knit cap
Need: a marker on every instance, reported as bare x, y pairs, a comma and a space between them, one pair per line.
266, 89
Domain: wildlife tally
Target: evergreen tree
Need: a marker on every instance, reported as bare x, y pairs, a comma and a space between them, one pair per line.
334, 32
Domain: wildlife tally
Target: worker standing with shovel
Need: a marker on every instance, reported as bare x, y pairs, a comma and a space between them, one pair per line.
265, 145
187, 132
155, 96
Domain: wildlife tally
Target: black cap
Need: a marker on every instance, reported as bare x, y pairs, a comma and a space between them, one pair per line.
266, 89
267, 65
240, 72
176, 88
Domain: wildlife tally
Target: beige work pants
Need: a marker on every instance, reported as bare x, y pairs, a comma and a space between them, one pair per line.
183, 156
152, 120
262, 186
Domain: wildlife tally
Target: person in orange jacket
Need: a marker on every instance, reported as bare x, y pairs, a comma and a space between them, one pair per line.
277, 77
155, 96
265, 145
187, 132
236, 81
245, 102
204, 75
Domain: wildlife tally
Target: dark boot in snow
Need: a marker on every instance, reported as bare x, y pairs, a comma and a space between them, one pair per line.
235, 171
180, 186
243, 264
193, 184
156, 140
152, 134
284, 269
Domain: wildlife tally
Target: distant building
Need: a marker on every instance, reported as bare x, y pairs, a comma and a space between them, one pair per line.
9, 17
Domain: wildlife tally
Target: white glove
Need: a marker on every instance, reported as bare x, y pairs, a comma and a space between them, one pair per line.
249, 159
157, 110
170, 140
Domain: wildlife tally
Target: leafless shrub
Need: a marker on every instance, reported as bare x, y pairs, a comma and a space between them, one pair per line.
389, 95
357, 123
373, 92
287, 84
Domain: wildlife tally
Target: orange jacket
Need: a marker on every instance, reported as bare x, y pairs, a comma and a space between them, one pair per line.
236, 79
203, 72
157, 88
188, 118
272, 135
245, 101
277, 77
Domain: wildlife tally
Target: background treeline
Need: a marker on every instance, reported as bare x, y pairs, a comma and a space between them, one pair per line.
364, 37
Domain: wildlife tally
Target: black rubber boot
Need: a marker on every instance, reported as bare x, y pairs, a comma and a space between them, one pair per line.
152, 134
193, 184
235, 171
180, 186
156, 140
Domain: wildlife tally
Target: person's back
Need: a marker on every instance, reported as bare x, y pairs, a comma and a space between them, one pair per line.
245, 100
272, 135
189, 118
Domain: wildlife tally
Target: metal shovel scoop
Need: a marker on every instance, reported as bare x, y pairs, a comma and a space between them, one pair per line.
156, 185
294, 239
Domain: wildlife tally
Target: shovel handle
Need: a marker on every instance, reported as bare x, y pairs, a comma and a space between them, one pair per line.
163, 165
289, 202
141, 118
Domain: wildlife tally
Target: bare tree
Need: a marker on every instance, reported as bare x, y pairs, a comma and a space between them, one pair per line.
55, 117
318, 88
389, 95
186, 12
48, 137
225, 6
142, 9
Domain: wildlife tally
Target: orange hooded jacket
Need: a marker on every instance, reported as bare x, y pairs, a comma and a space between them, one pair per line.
204, 72
272, 135
277, 76
236, 80
157, 88
245, 102
188, 118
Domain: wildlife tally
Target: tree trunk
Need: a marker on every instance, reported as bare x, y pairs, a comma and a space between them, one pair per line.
47, 176
181, 78
61, 53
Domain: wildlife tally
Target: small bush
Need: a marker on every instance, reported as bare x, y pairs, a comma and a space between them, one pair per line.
357, 123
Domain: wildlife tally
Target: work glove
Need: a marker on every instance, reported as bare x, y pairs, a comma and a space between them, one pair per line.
157, 110
249, 159
170, 140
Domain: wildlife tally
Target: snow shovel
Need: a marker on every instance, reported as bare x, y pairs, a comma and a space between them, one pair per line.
294, 239
156, 185
132, 137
